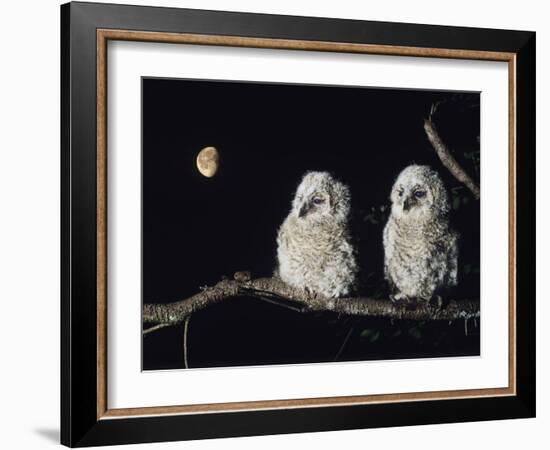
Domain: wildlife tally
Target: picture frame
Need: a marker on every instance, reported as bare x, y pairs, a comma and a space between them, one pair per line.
86, 418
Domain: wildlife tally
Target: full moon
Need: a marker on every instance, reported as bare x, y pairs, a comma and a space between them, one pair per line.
208, 161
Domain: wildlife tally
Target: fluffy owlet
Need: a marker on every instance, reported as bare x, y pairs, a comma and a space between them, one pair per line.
314, 249
420, 250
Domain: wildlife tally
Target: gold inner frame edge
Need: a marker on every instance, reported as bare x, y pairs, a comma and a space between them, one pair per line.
103, 36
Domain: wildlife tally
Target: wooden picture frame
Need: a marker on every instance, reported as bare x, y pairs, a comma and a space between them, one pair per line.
86, 418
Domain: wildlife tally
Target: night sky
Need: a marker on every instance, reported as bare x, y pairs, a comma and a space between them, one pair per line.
197, 229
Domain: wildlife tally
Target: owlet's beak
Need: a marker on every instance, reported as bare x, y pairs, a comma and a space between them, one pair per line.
304, 209
409, 203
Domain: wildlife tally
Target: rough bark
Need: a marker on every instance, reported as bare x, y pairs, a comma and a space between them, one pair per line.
275, 290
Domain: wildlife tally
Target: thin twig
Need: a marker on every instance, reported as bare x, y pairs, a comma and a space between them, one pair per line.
273, 298
273, 301
337, 357
156, 327
185, 339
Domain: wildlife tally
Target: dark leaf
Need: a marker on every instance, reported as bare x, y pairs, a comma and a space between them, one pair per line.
367, 332
374, 337
415, 333
456, 202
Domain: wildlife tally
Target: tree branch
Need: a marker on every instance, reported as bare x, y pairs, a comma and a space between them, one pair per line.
274, 289
446, 156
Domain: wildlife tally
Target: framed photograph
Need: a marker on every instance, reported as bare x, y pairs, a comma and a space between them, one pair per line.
277, 224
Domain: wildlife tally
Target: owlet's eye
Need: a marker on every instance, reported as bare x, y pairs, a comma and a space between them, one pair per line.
318, 200
419, 194
400, 193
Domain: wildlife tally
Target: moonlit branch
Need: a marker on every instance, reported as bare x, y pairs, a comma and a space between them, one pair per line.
275, 290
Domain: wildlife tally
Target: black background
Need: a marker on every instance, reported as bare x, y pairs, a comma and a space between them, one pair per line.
196, 229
